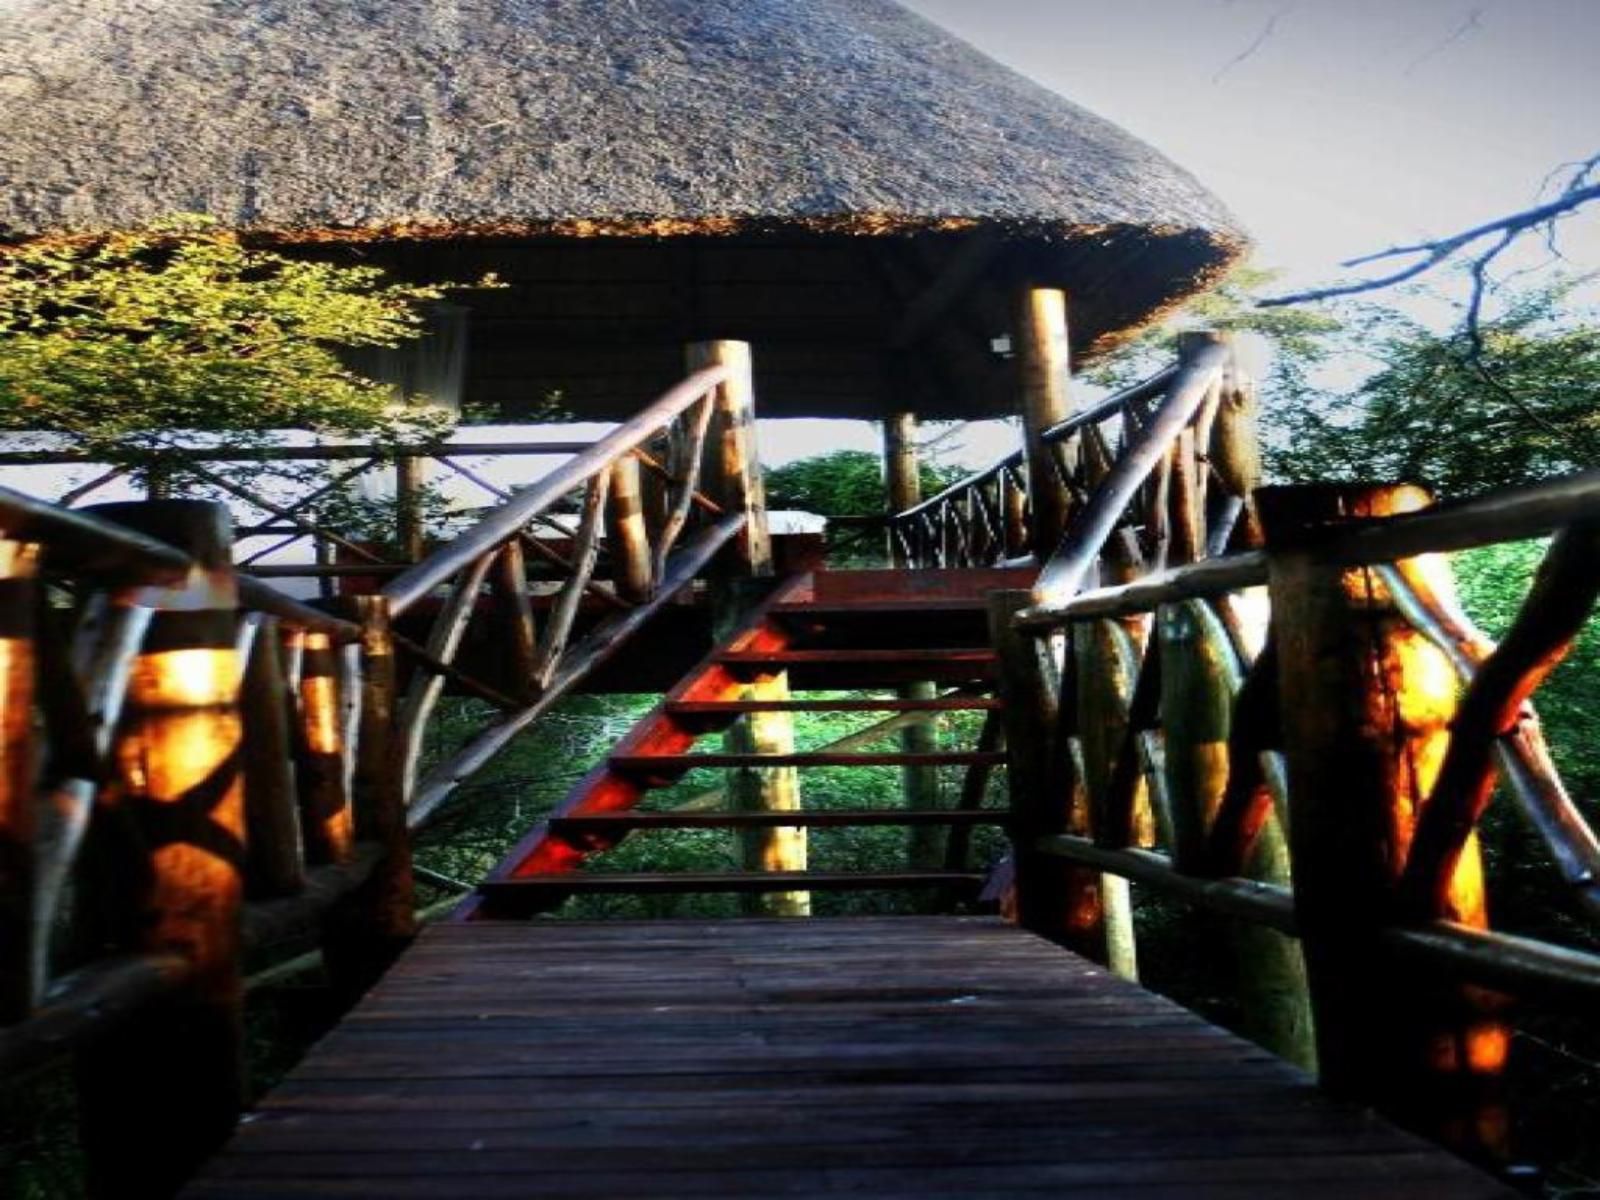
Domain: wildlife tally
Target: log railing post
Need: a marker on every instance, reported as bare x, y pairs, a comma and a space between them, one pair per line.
18, 608
159, 1094
626, 533
919, 785
1054, 898
1369, 701
1043, 361
369, 928
732, 476
326, 824
276, 866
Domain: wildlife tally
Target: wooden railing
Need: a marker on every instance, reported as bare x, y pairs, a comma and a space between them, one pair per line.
1304, 736
1096, 459
658, 544
135, 827
201, 774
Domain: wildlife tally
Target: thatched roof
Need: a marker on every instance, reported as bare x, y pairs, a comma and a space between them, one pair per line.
480, 123
335, 114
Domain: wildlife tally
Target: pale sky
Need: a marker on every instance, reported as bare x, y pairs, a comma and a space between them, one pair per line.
1332, 128
1352, 125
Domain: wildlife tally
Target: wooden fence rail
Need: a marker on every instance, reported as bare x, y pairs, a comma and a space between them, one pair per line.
1320, 701
227, 775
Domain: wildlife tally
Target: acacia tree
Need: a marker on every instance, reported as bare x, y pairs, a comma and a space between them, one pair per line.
1506, 401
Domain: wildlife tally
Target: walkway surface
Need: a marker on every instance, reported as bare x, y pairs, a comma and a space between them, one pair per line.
892, 1057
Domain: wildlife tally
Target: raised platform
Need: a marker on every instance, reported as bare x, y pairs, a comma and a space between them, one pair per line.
885, 1057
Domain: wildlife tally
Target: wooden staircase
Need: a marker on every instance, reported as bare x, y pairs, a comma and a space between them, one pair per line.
855, 632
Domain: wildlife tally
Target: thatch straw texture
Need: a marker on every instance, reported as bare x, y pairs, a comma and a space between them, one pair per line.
446, 117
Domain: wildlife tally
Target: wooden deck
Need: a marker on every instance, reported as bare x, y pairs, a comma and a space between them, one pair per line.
895, 1057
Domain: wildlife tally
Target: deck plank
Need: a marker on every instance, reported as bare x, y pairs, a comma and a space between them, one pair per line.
884, 1057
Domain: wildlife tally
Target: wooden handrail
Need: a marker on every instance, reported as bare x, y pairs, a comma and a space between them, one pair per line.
382, 451
506, 521
1064, 574
1104, 410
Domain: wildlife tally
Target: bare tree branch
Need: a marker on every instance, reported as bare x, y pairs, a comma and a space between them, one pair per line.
1473, 22
1261, 40
1581, 188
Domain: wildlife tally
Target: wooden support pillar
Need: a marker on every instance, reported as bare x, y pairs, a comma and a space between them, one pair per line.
732, 476
18, 612
1369, 701
1043, 360
276, 866
733, 469
1054, 898
326, 823
371, 926
408, 492
165, 868
626, 535
919, 785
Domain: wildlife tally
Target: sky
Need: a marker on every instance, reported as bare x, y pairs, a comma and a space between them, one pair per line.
1332, 128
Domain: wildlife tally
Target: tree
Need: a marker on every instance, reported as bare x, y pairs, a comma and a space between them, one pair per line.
1513, 400
844, 483
1298, 339
121, 340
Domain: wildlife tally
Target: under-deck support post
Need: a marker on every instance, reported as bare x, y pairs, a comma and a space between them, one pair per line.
919, 785
1043, 360
1054, 898
733, 477
166, 858
368, 928
1366, 720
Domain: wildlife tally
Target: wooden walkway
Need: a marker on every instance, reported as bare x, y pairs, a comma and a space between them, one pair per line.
894, 1057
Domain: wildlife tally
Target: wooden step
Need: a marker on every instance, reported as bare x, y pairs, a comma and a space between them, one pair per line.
677, 764
719, 708
657, 883
622, 822
780, 658
876, 608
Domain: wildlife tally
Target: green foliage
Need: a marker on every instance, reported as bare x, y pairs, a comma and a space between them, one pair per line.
1439, 411
1299, 338
844, 483
183, 327
1493, 582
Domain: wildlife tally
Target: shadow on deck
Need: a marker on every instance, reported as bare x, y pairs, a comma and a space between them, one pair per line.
886, 1057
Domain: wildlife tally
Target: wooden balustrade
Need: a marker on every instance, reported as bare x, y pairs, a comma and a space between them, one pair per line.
1094, 464
1347, 732
226, 770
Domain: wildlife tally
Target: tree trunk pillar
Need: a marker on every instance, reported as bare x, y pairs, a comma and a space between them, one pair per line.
733, 478
1043, 360
1365, 728
919, 785
161, 1093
